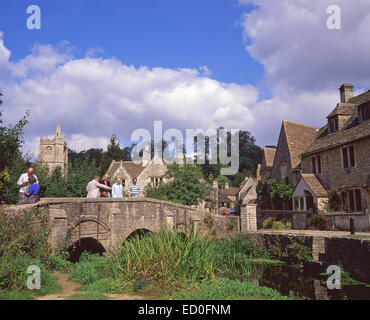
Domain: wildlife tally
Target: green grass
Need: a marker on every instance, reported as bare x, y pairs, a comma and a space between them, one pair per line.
227, 289
166, 257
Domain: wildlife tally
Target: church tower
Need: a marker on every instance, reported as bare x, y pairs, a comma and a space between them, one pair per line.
54, 152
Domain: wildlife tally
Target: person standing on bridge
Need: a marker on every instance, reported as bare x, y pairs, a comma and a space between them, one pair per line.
134, 190
117, 189
93, 188
23, 183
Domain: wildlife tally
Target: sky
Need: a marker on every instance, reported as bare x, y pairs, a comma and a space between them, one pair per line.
113, 66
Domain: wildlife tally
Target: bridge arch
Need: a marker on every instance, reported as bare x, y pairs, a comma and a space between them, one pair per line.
85, 244
139, 232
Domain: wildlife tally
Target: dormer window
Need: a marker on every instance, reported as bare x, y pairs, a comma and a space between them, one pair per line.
333, 124
364, 112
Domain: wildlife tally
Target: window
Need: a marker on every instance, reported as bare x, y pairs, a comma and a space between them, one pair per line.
333, 124
283, 170
358, 200
351, 201
156, 181
349, 157
313, 163
316, 164
352, 155
364, 113
354, 198
123, 181
345, 158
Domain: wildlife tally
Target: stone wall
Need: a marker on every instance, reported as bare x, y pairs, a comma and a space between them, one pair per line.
335, 177
341, 220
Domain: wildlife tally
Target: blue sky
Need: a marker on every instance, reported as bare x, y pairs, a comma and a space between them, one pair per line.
155, 33
106, 67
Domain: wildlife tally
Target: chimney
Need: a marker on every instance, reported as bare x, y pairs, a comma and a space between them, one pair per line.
147, 156
346, 92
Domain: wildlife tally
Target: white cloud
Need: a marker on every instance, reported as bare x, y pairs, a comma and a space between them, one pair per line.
80, 142
291, 39
304, 63
95, 97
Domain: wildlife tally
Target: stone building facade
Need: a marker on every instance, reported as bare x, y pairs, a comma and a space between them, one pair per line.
339, 157
54, 152
294, 139
267, 164
150, 172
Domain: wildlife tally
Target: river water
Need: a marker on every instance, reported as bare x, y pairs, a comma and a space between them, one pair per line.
306, 282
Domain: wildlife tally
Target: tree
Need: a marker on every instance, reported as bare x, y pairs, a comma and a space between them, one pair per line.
12, 163
222, 180
186, 185
114, 151
280, 193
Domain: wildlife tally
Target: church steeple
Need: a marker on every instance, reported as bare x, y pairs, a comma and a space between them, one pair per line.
58, 132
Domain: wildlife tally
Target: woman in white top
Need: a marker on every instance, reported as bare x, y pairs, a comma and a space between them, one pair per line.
93, 188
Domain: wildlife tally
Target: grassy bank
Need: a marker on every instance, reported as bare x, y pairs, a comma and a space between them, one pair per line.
158, 265
165, 265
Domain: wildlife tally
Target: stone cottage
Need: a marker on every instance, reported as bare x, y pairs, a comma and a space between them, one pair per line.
150, 172
268, 158
339, 157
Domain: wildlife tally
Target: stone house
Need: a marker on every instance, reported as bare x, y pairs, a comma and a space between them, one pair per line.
339, 157
150, 172
294, 139
268, 158
231, 197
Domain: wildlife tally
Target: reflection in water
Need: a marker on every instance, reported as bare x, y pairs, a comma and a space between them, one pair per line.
304, 283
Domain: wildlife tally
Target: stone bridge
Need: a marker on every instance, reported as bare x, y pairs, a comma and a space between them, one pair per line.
106, 223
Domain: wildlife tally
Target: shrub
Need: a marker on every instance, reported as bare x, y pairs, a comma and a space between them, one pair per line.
91, 268
226, 289
318, 222
13, 275
24, 233
274, 223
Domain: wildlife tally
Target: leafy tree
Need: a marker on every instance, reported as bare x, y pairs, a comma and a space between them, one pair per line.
54, 184
280, 193
222, 180
185, 186
11, 161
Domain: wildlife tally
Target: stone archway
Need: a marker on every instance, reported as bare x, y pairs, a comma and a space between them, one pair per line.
138, 233
85, 244
310, 203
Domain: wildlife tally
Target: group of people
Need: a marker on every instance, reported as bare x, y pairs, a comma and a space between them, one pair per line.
101, 188
30, 188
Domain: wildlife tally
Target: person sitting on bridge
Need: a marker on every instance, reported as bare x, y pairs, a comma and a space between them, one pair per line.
117, 189
93, 188
134, 190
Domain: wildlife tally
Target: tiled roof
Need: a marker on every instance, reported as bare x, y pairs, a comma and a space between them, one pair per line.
232, 191
269, 154
133, 169
343, 109
314, 184
351, 131
299, 138
223, 198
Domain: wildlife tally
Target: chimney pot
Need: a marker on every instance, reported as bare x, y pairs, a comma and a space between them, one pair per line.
346, 92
